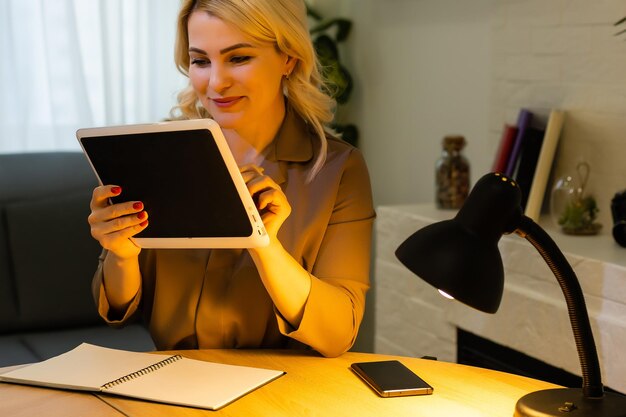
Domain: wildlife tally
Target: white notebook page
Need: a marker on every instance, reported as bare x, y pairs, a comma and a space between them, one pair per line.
87, 367
195, 383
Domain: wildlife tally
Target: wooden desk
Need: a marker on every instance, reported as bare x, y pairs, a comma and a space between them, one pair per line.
26, 401
313, 386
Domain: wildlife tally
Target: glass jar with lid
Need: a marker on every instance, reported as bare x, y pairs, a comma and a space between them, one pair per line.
452, 174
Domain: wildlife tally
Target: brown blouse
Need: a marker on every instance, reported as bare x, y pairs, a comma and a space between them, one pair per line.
201, 298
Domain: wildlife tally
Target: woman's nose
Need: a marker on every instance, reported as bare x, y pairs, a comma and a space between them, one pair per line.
219, 78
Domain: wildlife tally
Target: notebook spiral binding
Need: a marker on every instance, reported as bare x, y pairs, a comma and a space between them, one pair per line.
141, 372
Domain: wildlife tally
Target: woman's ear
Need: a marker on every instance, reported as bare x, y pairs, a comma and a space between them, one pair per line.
290, 64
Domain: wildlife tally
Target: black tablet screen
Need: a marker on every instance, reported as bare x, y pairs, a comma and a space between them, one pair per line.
180, 177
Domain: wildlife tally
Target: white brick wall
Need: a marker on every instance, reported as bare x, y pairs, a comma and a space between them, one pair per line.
410, 315
427, 68
563, 54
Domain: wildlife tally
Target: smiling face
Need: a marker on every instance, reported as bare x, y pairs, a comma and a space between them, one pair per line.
237, 79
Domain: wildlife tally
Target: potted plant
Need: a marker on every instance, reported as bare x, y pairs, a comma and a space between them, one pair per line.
326, 35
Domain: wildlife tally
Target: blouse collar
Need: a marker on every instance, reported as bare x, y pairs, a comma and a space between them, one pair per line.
293, 142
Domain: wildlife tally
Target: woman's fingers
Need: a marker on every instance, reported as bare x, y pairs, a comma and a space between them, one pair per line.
113, 224
274, 201
270, 199
115, 211
251, 169
117, 223
114, 235
115, 241
258, 184
101, 195
265, 191
261, 183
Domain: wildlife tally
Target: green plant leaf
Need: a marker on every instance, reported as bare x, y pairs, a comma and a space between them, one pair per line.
348, 133
343, 94
343, 28
326, 34
326, 49
313, 13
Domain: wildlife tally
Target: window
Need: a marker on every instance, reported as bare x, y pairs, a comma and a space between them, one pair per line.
78, 63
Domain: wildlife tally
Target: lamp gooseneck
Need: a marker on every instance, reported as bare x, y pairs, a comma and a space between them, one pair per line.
579, 318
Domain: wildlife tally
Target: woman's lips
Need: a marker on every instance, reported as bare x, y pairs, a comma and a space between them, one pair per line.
226, 102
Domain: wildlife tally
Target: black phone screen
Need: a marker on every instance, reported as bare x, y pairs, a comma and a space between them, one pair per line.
391, 378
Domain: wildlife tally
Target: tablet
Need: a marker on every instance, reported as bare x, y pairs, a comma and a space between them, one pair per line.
187, 179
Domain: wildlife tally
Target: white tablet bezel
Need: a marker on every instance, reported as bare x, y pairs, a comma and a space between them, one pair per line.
257, 238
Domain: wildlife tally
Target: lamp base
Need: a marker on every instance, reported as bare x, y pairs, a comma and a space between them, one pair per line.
570, 402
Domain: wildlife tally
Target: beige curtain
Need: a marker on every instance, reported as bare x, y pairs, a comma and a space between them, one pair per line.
68, 64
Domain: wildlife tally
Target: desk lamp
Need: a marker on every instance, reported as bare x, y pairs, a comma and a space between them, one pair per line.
460, 257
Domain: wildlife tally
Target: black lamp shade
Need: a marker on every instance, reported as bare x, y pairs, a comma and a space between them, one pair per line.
453, 260
460, 256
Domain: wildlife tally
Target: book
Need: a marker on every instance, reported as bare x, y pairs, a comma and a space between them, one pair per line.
529, 155
170, 379
504, 148
544, 164
524, 119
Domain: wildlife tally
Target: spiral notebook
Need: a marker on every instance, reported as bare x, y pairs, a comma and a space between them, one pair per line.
170, 379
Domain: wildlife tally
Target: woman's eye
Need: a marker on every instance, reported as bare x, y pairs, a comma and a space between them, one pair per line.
240, 59
199, 62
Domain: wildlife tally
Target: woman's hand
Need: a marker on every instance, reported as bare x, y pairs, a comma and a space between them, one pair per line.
269, 198
113, 224
285, 280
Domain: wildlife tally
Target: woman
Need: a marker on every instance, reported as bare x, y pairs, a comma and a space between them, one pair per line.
252, 68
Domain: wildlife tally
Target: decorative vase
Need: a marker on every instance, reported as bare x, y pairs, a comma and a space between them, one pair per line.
570, 208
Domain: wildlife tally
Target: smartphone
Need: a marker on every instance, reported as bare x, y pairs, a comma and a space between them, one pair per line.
391, 378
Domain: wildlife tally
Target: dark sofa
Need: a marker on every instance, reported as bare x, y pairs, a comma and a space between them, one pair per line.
47, 260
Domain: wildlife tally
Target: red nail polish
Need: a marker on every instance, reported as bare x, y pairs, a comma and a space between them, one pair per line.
116, 190
138, 205
141, 215
143, 224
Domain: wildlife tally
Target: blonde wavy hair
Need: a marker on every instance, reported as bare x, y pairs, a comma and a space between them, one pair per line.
282, 23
